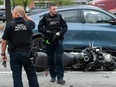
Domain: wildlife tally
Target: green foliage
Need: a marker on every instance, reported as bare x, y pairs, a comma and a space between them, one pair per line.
20, 2
1, 2
62, 2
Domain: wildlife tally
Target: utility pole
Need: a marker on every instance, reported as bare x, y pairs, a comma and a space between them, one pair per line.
8, 11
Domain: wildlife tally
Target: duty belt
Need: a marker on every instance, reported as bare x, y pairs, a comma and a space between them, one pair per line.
17, 49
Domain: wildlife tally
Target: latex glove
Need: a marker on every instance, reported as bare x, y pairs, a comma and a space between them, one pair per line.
58, 33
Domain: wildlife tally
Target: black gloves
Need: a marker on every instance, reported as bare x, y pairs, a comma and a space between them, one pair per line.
55, 38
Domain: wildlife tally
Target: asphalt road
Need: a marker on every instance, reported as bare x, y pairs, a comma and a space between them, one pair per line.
73, 78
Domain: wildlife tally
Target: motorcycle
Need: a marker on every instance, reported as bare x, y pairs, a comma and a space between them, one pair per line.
90, 58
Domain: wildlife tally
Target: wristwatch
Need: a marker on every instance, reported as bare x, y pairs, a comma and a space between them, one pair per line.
3, 54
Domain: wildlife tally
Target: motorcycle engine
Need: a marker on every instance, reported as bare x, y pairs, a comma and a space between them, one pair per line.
107, 57
84, 57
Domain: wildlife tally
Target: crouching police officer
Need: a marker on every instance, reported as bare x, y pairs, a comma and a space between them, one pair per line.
53, 27
18, 35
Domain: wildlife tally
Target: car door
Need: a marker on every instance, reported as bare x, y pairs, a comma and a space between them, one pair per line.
98, 30
74, 36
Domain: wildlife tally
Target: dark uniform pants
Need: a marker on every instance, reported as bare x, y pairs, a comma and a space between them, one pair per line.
17, 60
54, 53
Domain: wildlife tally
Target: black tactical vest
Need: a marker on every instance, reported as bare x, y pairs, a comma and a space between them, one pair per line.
53, 23
20, 35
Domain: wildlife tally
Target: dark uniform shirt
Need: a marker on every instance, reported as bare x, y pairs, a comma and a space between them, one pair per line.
19, 33
53, 23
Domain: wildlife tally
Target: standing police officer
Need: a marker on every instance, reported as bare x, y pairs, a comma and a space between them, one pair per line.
53, 27
18, 35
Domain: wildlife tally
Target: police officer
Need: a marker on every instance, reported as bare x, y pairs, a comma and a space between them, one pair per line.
18, 35
53, 27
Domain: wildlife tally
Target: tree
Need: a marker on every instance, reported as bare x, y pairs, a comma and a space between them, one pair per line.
21, 2
62, 2
1, 2
25, 2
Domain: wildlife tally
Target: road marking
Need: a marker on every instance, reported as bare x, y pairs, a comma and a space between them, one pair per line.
70, 72
92, 72
8, 72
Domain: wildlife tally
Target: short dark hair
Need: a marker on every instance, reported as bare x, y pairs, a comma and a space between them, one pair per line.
52, 4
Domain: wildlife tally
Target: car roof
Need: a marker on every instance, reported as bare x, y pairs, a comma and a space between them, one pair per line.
77, 6
72, 8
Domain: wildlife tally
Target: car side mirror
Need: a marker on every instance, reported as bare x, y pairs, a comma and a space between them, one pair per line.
113, 22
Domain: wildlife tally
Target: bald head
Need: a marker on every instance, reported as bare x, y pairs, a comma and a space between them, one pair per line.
18, 11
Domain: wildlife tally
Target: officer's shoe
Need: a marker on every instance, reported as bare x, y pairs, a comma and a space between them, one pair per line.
61, 81
53, 80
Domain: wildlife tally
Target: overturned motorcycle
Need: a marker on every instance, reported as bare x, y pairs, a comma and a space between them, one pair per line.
91, 58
